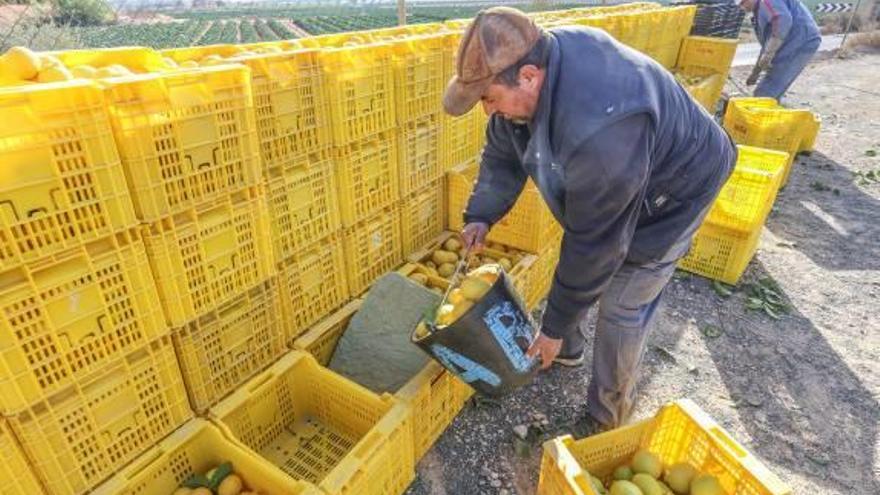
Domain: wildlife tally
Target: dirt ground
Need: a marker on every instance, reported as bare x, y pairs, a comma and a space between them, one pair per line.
800, 392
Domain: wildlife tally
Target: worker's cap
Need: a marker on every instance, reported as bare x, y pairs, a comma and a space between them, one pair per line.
496, 39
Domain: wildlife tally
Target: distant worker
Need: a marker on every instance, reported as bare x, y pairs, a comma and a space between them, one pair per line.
627, 162
789, 38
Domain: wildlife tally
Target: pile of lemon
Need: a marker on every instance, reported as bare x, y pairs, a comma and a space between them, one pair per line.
645, 475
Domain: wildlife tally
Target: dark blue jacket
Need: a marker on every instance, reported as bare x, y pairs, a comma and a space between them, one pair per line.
624, 157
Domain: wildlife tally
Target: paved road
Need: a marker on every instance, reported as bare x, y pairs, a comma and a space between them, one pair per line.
747, 54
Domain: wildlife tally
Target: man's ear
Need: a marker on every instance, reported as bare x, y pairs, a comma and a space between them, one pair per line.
529, 76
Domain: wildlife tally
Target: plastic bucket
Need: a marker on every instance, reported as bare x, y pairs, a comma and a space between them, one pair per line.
486, 346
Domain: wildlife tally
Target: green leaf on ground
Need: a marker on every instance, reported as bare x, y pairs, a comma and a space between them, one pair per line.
722, 289
711, 331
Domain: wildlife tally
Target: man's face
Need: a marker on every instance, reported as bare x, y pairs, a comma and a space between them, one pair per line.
516, 103
747, 5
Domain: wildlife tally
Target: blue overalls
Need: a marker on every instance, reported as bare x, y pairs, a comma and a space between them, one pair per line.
790, 21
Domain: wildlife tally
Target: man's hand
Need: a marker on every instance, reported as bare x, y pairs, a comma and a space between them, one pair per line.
474, 236
545, 347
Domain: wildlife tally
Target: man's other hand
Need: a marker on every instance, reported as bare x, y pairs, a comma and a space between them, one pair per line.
546, 348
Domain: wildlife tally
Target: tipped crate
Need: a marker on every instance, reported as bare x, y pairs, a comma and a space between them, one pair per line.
703, 88
763, 123
16, 475
435, 395
420, 153
313, 284
85, 433
423, 215
71, 314
221, 350
359, 85
291, 110
419, 75
317, 426
203, 257
302, 204
63, 183
185, 137
195, 448
679, 432
367, 176
529, 225
372, 248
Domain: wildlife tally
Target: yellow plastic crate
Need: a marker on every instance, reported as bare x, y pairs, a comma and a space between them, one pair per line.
291, 110
203, 257
704, 88
71, 314
372, 248
359, 82
528, 226
184, 137
435, 396
221, 350
62, 183
420, 153
419, 75
703, 53
302, 204
762, 123
313, 284
748, 195
16, 476
319, 427
320, 340
680, 432
720, 253
527, 274
423, 215
463, 138
85, 433
367, 176
140, 60
196, 447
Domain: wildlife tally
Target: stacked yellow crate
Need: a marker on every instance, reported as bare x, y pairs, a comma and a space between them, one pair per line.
89, 374
702, 67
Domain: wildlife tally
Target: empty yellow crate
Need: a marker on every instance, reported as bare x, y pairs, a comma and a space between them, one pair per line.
62, 183
85, 433
319, 427
195, 448
302, 204
313, 284
423, 215
16, 476
289, 102
221, 350
680, 432
720, 253
435, 394
185, 137
359, 84
205, 256
420, 153
367, 176
529, 225
419, 75
73, 313
372, 248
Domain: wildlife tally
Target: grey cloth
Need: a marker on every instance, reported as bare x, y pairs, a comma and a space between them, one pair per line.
375, 350
623, 156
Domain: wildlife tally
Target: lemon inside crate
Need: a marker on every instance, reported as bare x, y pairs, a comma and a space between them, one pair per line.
62, 182
195, 448
679, 432
319, 427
